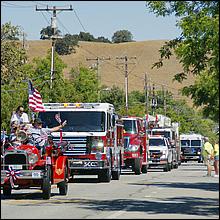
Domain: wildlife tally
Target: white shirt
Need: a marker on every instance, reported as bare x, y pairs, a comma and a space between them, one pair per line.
40, 135
21, 119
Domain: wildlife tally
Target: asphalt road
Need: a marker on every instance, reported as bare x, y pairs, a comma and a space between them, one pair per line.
183, 193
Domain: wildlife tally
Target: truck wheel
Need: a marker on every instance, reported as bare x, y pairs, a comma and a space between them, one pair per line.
137, 166
176, 165
169, 167
166, 168
105, 175
63, 186
46, 185
7, 190
116, 174
144, 169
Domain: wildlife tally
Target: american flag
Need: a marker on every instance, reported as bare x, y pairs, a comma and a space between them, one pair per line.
34, 99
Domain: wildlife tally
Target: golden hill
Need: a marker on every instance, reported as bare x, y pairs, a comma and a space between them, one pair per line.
112, 71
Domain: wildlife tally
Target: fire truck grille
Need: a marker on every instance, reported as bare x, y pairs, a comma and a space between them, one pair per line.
77, 145
15, 159
155, 154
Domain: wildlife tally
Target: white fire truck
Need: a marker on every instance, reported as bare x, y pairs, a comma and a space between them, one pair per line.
95, 137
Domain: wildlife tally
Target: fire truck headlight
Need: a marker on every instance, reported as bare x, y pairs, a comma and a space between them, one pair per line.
33, 158
133, 148
98, 156
97, 146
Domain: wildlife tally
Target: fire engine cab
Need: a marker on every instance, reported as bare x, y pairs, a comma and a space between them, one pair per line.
135, 142
94, 134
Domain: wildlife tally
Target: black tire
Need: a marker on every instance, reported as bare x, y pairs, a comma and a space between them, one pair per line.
63, 186
116, 174
105, 175
46, 185
176, 166
7, 190
169, 167
137, 166
144, 169
166, 168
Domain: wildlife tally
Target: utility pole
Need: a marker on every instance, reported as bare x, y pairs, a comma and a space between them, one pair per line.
98, 59
146, 92
153, 101
125, 58
164, 101
54, 36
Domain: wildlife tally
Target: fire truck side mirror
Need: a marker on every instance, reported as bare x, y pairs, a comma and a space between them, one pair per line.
113, 120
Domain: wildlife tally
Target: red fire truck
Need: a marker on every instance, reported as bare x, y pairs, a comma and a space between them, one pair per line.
23, 166
95, 137
135, 144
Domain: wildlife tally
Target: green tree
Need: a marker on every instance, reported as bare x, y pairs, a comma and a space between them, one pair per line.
86, 36
197, 47
113, 95
13, 56
47, 32
103, 39
66, 45
85, 84
10, 32
122, 36
42, 69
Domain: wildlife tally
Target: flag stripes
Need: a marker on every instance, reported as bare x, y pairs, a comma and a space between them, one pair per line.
34, 99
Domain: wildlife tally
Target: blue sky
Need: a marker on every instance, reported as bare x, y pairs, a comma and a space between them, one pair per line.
99, 18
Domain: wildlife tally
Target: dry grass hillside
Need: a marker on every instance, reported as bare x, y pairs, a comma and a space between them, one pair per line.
112, 71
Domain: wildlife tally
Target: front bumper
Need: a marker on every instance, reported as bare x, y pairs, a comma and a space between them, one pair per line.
87, 164
22, 175
157, 162
191, 157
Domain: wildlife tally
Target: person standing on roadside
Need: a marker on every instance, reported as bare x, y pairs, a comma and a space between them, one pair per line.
207, 153
216, 159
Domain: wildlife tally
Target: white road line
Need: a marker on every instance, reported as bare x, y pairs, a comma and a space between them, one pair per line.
118, 213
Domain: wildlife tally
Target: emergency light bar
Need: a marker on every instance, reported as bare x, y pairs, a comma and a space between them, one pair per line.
77, 105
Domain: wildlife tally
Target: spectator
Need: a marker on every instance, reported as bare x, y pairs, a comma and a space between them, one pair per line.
20, 117
216, 159
207, 153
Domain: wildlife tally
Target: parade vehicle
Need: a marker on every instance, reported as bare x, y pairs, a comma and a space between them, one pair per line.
191, 147
95, 137
25, 166
160, 152
135, 144
164, 127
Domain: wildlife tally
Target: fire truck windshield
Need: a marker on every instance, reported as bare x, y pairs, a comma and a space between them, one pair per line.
130, 126
77, 121
163, 133
196, 143
157, 142
185, 143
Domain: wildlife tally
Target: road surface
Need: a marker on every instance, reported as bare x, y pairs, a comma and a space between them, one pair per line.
183, 193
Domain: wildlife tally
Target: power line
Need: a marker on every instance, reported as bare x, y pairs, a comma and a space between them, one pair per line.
79, 20
12, 5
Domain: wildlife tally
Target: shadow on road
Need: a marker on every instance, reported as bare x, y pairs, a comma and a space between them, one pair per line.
201, 185
179, 205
